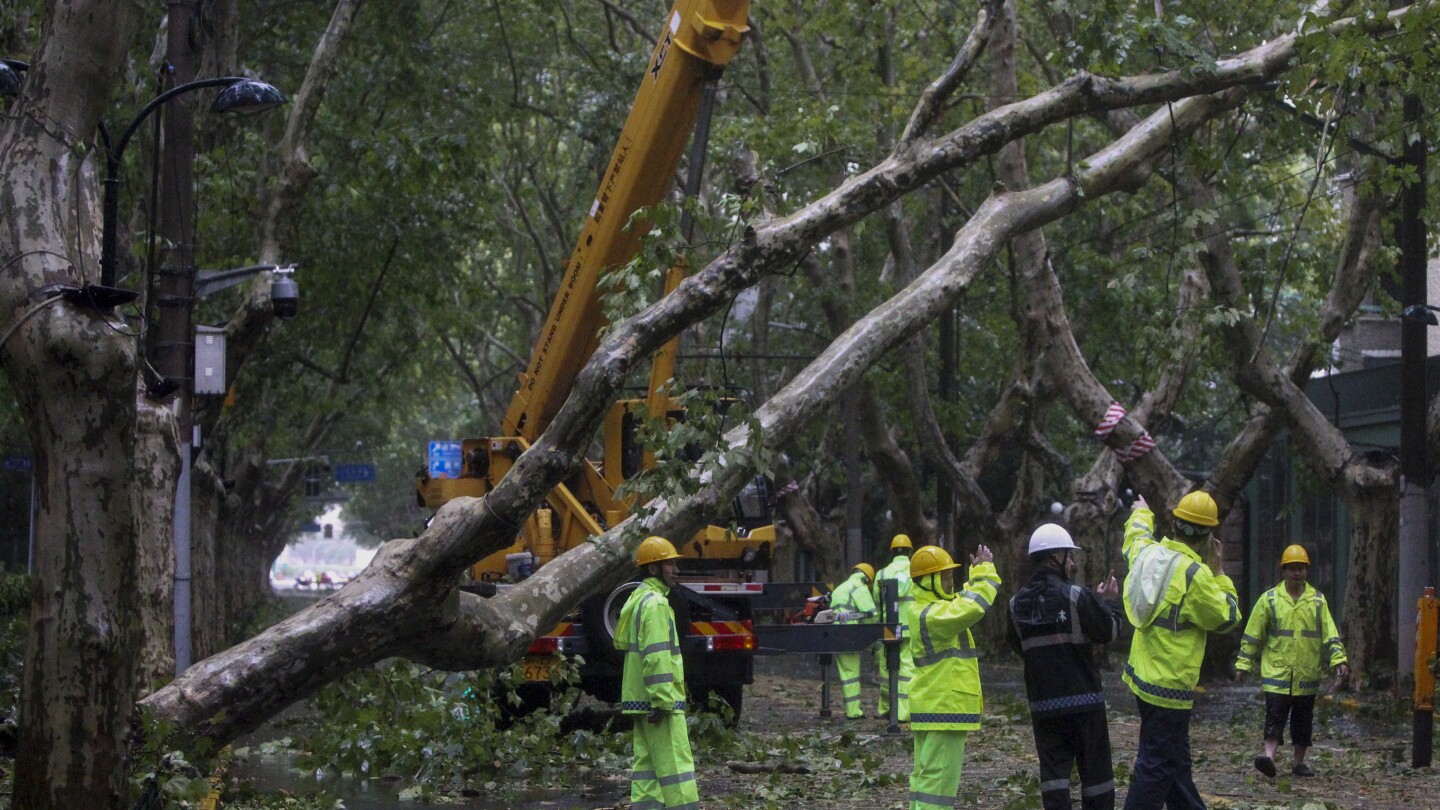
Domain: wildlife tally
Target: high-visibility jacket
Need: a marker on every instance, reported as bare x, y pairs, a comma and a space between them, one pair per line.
851, 601
1173, 599
898, 570
1293, 639
654, 676
945, 692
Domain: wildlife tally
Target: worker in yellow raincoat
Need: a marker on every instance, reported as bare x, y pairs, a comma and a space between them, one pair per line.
945, 699
652, 686
1292, 636
898, 570
1174, 598
852, 604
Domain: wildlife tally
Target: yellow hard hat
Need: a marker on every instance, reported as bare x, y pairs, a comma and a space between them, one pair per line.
900, 541
931, 560
865, 568
1294, 554
653, 550
1198, 508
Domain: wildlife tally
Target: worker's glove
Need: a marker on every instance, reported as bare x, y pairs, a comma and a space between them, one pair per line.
655, 715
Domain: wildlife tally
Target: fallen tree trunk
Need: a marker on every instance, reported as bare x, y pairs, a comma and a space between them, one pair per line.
406, 602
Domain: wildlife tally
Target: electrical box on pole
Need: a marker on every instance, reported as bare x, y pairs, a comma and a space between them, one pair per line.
209, 360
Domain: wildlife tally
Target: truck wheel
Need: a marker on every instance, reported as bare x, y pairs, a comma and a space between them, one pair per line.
599, 615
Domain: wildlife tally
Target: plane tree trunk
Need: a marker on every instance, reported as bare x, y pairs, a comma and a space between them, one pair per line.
79, 400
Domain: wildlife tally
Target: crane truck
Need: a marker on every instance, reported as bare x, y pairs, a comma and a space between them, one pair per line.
698, 40
722, 592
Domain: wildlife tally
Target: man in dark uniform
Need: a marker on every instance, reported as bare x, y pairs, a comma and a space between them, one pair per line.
1054, 625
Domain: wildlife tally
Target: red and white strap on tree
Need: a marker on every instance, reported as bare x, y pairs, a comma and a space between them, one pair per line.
1113, 415
1142, 445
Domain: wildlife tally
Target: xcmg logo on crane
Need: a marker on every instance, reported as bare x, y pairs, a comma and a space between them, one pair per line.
664, 49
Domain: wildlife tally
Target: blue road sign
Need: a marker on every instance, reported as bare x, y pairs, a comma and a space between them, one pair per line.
444, 459
354, 473
17, 464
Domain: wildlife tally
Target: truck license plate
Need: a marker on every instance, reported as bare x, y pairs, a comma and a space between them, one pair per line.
537, 667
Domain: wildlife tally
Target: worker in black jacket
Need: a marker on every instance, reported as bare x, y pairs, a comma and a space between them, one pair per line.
1054, 625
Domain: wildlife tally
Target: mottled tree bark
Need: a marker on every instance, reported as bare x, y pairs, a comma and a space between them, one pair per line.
1368, 627
74, 374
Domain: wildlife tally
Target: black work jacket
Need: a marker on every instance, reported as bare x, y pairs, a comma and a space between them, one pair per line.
1054, 625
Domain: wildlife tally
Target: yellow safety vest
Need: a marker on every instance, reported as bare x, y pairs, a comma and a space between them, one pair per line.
1293, 639
1169, 642
945, 692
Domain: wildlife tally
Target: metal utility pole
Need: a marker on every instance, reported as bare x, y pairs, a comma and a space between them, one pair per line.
854, 487
175, 348
1414, 465
944, 497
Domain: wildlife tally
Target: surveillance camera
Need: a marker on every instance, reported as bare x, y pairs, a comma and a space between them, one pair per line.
284, 294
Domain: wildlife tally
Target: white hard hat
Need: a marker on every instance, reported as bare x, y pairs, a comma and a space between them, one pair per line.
1050, 537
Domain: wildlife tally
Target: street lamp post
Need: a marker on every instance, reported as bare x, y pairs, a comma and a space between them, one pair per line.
241, 95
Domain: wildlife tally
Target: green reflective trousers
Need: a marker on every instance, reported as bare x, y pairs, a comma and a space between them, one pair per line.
663, 777
902, 688
939, 760
848, 664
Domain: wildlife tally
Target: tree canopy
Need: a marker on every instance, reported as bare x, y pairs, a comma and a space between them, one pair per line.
947, 241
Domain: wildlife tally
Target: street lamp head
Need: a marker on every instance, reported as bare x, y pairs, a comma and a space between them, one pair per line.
247, 97
1420, 313
284, 293
10, 79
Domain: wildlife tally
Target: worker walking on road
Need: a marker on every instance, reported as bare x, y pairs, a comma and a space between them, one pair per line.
1054, 626
1173, 598
945, 700
1293, 637
852, 604
899, 571
652, 688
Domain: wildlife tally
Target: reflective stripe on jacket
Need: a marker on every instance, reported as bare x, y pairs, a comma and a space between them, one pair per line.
1294, 640
851, 601
654, 676
1165, 656
1054, 626
945, 692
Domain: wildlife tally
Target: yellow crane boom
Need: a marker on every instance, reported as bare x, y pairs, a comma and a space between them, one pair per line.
699, 38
